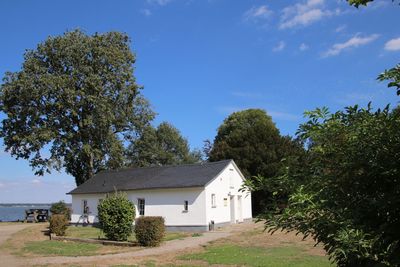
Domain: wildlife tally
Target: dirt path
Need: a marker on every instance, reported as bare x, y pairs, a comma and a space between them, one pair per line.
6, 231
167, 247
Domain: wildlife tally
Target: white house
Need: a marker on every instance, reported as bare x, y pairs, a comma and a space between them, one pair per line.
190, 197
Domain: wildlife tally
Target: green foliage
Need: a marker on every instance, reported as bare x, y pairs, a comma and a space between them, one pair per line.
251, 139
60, 208
163, 145
116, 215
257, 256
58, 224
358, 3
393, 75
349, 197
149, 230
76, 97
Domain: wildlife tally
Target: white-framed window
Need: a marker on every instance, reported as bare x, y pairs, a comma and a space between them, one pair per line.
225, 202
213, 201
185, 206
231, 184
141, 205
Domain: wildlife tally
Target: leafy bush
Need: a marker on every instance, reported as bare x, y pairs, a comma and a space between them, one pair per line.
149, 230
116, 214
60, 208
348, 197
58, 224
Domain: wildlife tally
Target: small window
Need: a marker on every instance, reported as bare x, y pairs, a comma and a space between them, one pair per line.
225, 202
85, 206
141, 204
186, 205
213, 202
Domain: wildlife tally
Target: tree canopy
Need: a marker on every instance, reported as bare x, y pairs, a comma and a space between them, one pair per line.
159, 146
349, 197
251, 139
73, 104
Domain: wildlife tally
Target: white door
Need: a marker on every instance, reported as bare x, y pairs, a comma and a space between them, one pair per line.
239, 207
232, 201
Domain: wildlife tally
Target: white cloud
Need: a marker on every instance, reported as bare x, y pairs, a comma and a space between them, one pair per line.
36, 181
353, 42
146, 12
257, 13
305, 14
2, 185
159, 2
303, 47
279, 47
393, 45
340, 28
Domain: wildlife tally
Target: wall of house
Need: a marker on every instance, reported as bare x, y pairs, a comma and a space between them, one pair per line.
168, 203
226, 188
77, 207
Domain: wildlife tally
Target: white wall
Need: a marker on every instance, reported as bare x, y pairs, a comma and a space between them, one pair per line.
168, 203
77, 207
227, 184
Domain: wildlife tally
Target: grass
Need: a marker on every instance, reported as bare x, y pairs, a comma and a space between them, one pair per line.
58, 248
256, 256
95, 233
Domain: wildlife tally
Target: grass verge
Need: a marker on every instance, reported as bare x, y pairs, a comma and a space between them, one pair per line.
257, 256
61, 248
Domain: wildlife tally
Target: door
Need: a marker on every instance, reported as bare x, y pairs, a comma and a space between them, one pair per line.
239, 207
232, 202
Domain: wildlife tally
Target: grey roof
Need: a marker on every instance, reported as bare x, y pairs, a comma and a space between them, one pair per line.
178, 176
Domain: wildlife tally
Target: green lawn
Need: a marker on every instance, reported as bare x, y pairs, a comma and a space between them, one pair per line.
59, 248
95, 233
284, 256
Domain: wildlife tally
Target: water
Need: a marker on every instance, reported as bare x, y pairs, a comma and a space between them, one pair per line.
15, 212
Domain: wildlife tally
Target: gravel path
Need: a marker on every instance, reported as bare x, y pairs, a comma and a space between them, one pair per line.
6, 231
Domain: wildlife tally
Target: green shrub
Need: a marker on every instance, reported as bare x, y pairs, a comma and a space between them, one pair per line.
116, 214
149, 230
58, 224
60, 208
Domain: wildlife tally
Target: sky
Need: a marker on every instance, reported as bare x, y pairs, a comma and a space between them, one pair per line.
201, 60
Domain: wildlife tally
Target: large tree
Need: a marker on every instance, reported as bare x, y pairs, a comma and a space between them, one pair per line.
73, 104
160, 146
251, 139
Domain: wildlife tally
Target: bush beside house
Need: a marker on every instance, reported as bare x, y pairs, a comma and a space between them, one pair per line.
60, 208
150, 230
58, 224
116, 215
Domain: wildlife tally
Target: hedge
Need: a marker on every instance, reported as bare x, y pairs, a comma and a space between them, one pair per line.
149, 230
58, 224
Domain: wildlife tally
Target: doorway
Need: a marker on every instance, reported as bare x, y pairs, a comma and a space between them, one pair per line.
232, 203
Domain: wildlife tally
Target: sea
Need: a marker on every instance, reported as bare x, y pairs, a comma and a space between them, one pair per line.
16, 211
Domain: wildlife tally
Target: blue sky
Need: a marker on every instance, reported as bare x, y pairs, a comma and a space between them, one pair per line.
201, 60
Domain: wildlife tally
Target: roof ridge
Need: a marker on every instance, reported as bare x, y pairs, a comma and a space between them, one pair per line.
167, 166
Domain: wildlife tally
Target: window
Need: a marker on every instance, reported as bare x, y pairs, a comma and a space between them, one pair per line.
186, 205
213, 202
225, 202
231, 184
141, 206
85, 207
